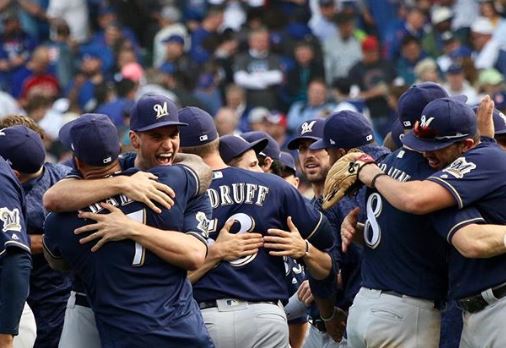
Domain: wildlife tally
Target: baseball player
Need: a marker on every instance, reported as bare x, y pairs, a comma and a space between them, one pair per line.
79, 318
49, 290
289, 169
341, 132
117, 276
269, 157
240, 298
237, 152
448, 139
15, 262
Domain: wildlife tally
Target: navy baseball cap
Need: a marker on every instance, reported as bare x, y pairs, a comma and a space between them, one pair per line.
271, 150
201, 129
287, 160
153, 111
232, 146
93, 138
345, 129
499, 121
312, 130
174, 38
443, 122
412, 102
22, 148
397, 133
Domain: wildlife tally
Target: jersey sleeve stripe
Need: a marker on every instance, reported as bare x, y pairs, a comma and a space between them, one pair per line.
461, 224
450, 188
16, 244
316, 227
56, 257
195, 176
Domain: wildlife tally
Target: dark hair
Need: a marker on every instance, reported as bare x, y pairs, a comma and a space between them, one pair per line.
203, 150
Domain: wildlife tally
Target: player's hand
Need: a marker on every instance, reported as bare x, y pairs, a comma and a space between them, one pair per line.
337, 325
349, 228
304, 293
6, 341
484, 117
236, 245
285, 243
143, 187
108, 227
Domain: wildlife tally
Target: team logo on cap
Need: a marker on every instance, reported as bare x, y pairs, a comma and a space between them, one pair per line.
425, 122
2, 131
307, 127
10, 219
459, 168
501, 115
161, 110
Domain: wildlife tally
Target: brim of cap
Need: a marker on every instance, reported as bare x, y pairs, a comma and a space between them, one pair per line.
159, 125
319, 145
424, 145
259, 145
294, 143
500, 132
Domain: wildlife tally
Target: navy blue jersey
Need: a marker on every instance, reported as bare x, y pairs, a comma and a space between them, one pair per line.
403, 252
49, 289
258, 202
133, 293
467, 276
12, 211
45, 283
477, 179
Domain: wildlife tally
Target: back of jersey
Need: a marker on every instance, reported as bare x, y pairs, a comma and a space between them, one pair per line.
257, 202
130, 289
402, 251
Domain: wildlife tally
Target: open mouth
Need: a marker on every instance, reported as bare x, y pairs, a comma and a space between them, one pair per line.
165, 159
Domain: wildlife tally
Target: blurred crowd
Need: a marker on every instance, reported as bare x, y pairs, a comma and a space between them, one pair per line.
252, 64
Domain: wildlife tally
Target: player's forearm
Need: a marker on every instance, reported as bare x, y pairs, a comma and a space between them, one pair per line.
203, 171
415, 197
74, 194
212, 259
36, 243
480, 241
318, 263
177, 248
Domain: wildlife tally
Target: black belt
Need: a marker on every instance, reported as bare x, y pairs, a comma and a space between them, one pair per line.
82, 300
477, 303
214, 304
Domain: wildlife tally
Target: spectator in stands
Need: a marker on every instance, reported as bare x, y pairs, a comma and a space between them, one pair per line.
486, 50
342, 51
322, 22
453, 51
256, 118
226, 122
307, 68
317, 105
433, 42
411, 54
61, 49
275, 126
199, 52
207, 91
75, 13
426, 71
259, 72
169, 25
373, 75
458, 85
413, 25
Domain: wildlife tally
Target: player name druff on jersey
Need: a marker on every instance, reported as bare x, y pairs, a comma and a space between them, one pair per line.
240, 193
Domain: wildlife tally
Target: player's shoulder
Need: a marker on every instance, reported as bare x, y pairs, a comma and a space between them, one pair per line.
57, 169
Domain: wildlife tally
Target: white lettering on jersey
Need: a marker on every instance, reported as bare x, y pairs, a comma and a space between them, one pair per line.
238, 193
459, 168
10, 220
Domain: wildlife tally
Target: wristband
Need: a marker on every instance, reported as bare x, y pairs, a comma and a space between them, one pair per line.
307, 245
373, 181
331, 317
504, 240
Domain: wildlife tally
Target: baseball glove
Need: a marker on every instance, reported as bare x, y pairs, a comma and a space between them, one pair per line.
342, 178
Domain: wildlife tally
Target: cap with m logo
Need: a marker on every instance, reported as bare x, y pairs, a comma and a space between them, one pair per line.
153, 111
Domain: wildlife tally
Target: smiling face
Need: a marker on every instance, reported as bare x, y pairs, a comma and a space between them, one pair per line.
441, 158
156, 147
314, 163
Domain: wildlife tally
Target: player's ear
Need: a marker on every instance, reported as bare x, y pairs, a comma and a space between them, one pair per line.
468, 144
267, 164
134, 139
